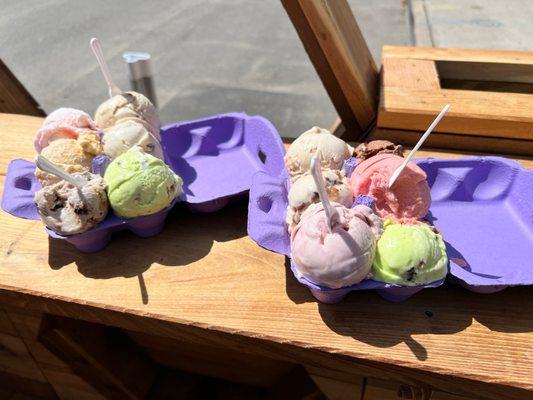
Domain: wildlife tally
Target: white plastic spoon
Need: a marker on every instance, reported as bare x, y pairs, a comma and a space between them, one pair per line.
47, 166
399, 170
97, 50
316, 171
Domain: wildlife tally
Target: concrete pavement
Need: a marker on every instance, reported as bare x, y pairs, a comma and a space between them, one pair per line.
233, 55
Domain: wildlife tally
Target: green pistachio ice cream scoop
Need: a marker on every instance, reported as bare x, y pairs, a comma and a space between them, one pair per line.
409, 255
140, 184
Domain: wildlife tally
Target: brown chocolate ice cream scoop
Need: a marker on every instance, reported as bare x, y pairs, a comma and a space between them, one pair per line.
370, 149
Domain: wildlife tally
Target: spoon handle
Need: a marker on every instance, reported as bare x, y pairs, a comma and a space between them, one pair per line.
47, 166
97, 50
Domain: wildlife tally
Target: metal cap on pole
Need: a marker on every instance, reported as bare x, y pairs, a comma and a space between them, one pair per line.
141, 77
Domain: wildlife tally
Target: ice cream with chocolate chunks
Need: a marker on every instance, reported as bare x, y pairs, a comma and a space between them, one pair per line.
366, 150
67, 209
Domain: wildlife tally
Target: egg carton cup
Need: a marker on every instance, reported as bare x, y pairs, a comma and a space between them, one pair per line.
483, 206
216, 157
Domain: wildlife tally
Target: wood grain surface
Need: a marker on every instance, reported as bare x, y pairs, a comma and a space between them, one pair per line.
453, 54
205, 280
14, 98
490, 92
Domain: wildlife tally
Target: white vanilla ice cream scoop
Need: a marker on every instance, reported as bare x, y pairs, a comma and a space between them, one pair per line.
331, 150
128, 105
128, 134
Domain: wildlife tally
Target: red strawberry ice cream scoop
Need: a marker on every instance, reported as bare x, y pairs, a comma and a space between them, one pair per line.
406, 201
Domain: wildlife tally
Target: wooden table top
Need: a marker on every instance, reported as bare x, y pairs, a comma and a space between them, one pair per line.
204, 271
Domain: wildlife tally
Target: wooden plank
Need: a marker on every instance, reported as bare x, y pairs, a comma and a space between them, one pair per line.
453, 54
215, 361
15, 359
218, 286
490, 92
39, 389
341, 57
447, 396
43, 356
483, 71
14, 98
408, 73
344, 365
460, 143
68, 385
27, 325
14, 123
5, 324
472, 113
100, 355
337, 390
296, 384
335, 384
378, 389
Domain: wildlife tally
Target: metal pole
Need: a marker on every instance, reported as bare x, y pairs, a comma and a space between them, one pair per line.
141, 77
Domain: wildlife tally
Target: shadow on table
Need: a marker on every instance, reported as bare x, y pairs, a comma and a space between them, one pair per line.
297, 292
186, 238
367, 317
449, 309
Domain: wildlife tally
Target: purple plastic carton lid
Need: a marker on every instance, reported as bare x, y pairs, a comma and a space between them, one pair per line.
19, 189
216, 158
482, 205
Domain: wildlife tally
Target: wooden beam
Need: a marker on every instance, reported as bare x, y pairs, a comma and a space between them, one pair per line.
482, 144
102, 356
41, 390
204, 358
491, 93
14, 98
339, 53
297, 384
453, 54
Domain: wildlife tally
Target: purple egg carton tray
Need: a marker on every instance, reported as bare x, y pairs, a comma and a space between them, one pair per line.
216, 157
483, 206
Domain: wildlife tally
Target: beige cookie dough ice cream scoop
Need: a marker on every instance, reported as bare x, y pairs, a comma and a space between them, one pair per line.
303, 193
71, 155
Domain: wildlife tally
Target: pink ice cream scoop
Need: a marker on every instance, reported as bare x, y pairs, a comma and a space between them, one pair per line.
63, 123
406, 201
338, 257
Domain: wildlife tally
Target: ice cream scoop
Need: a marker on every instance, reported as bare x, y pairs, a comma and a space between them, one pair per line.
67, 209
407, 200
140, 184
366, 150
303, 193
409, 255
127, 106
332, 151
338, 257
71, 155
63, 123
128, 134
